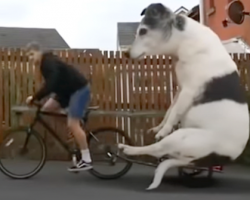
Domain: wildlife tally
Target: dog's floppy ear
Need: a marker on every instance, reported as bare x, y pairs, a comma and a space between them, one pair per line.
143, 11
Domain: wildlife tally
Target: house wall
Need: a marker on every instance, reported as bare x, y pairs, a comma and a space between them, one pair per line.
215, 13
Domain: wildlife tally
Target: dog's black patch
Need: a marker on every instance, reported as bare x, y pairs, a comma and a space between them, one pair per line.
151, 22
222, 88
212, 159
157, 10
180, 23
143, 11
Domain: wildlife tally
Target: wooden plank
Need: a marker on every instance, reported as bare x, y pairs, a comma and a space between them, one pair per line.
170, 72
143, 78
240, 67
69, 58
130, 85
24, 77
120, 120
102, 87
118, 80
130, 106
147, 94
105, 80
30, 77
83, 67
136, 86
75, 60
126, 120
93, 80
25, 109
248, 71
112, 87
162, 78
136, 99
244, 71
6, 93
155, 83
1, 95
124, 83
112, 81
18, 77
99, 84
12, 83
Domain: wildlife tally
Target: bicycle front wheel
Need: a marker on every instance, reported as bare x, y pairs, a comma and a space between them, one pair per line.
107, 159
22, 153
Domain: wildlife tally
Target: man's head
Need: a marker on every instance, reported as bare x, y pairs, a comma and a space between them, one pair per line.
156, 32
34, 52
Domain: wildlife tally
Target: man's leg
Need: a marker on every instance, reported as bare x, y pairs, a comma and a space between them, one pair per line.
51, 105
77, 107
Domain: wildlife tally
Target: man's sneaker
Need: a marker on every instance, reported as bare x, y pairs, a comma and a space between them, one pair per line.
81, 166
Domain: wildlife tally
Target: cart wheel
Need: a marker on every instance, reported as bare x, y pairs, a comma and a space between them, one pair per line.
194, 172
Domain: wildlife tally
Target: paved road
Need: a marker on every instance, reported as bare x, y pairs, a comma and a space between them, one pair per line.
55, 183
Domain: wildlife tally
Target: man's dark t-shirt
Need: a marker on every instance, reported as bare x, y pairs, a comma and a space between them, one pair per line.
59, 78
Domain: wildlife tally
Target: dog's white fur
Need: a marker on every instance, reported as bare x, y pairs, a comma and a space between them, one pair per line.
221, 127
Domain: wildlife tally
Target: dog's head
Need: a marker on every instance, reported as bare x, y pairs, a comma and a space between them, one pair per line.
155, 34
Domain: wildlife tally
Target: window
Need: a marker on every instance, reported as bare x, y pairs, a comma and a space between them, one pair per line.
211, 2
211, 9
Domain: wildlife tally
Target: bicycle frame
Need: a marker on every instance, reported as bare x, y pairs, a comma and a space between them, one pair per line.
39, 119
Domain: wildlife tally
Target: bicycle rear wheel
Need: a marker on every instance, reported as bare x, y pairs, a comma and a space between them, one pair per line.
107, 159
22, 153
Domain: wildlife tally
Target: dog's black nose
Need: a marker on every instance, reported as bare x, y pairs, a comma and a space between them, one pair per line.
127, 54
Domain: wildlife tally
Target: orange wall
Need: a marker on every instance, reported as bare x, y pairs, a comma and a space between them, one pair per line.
214, 20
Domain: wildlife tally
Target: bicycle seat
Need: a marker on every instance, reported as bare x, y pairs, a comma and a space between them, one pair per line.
93, 108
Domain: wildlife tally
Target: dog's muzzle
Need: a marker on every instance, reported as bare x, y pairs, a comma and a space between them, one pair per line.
127, 54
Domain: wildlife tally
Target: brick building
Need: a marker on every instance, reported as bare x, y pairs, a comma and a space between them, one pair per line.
214, 12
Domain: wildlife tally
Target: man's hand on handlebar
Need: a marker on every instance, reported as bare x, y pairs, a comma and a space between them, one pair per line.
29, 100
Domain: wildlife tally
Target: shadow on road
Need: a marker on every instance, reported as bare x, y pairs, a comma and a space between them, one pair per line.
138, 182
235, 180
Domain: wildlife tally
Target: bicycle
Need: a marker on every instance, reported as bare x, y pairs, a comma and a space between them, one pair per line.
111, 152
30, 133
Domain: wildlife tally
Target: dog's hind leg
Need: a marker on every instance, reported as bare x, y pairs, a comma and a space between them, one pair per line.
188, 143
155, 150
162, 168
184, 146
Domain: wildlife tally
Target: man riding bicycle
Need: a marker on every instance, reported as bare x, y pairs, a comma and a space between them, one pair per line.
71, 91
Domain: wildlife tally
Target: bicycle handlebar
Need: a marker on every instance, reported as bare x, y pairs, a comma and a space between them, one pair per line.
39, 107
37, 104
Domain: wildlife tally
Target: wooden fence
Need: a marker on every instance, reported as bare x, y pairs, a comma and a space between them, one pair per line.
143, 88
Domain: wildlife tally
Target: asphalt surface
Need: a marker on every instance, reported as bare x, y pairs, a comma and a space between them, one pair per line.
54, 182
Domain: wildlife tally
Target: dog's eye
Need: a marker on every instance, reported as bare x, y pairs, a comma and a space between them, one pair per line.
143, 31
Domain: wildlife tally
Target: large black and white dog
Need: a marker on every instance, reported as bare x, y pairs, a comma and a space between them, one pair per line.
210, 104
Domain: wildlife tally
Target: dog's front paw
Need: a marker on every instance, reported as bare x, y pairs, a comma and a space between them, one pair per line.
155, 129
159, 136
126, 149
163, 132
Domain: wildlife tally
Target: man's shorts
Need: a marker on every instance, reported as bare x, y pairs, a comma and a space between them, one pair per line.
79, 102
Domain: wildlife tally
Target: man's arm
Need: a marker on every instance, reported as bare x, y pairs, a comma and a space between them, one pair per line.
50, 72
